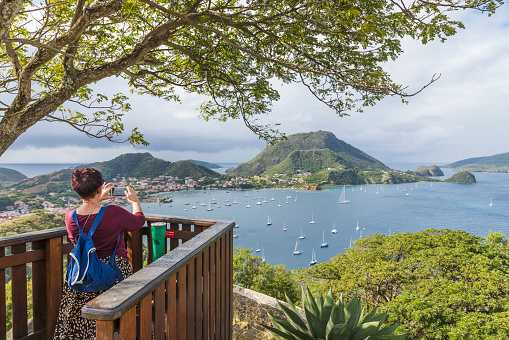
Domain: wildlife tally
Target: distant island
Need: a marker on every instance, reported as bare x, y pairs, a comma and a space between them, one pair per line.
205, 164
10, 175
495, 163
463, 177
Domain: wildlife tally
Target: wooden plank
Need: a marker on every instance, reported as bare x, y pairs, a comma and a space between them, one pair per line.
199, 297
39, 290
21, 258
212, 295
186, 227
198, 229
182, 303
39, 335
135, 249
229, 285
67, 248
159, 312
105, 330
223, 287
191, 298
217, 292
171, 307
179, 220
146, 318
127, 330
54, 282
32, 236
174, 242
206, 293
183, 235
19, 295
3, 299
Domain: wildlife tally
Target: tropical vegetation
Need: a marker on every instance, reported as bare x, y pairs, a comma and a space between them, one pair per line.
327, 320
463, 177
495, 163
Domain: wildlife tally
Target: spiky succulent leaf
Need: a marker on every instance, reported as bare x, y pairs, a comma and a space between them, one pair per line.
278, 334
293, 317
339, 332
364, 330
353, 310
386, 330
327, 307
316, 327
375, 317
319, 303
337, 317
309, 303
286, 327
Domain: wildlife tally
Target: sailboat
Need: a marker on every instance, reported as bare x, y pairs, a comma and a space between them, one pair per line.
334, 231
235, 236
284, 226
324, 244
301, 236
295, 197
491, 202
209, 208
248, 206
313, 258
263, 256
272, 199
269, 222
342, 198
312, 219
297, 251
257, 249
357, 229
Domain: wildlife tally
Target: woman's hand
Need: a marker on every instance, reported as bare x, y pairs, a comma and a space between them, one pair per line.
131, 196
105, 192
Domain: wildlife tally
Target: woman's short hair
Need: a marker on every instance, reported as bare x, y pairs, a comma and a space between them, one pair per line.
86, 181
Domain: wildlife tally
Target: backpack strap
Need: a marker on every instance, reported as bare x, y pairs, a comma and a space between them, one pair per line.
97, 220
113, 263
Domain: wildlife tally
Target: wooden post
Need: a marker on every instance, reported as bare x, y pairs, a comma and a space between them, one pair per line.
39, 290
135, 250
146, 318
171, 308
105, 330
3, 299
54, 279
19, 295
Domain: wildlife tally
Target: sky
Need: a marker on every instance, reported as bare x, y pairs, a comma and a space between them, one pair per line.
464, 114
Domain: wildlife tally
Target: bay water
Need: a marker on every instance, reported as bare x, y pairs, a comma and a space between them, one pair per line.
384, 209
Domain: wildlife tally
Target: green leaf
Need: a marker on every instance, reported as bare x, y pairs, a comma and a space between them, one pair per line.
388, 337
364, 330
339, 332
353, 312
327, 307
280, 335
387, 330
293, 317
316, 327
309, 303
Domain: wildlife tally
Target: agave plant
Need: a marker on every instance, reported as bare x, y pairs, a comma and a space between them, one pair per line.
330, 321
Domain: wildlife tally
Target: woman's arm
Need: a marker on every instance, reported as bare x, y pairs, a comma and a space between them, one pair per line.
132, 198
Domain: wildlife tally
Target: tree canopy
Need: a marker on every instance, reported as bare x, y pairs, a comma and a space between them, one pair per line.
53, 52
437, 284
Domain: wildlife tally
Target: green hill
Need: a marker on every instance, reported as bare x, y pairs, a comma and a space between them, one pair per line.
126, 165
495, 163
463, 177
10, 175
205, 164
432, 170
308, 152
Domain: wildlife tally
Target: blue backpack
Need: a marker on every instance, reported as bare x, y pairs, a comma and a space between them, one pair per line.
86, 273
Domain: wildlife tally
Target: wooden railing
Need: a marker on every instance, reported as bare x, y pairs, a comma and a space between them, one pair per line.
186, 294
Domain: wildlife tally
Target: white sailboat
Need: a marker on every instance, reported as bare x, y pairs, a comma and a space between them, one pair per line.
263, 256
301, 235
269, 222
334, 231
295, 197
342, 198
357, 229
235, 236
312, 219
284, 226
313, 258
297, 251
257, 249
209, 208
248, 206
324, 244
491, 202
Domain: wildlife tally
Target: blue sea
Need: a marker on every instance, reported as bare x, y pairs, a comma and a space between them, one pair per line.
475, 208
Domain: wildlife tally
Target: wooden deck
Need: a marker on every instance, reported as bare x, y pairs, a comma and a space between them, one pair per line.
186, 294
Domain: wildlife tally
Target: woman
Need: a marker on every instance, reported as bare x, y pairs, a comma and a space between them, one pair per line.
89, 184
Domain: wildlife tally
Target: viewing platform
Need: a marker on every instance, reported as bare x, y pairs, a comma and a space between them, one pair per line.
185, 294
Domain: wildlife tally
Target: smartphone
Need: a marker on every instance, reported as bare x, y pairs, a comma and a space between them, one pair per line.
117, 191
